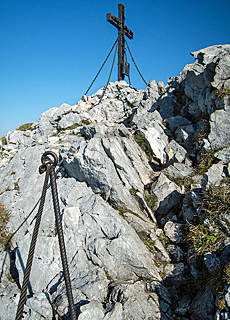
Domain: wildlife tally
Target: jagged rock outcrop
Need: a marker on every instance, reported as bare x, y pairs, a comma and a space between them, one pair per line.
141, 175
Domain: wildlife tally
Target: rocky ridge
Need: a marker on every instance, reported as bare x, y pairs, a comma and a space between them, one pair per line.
140, 177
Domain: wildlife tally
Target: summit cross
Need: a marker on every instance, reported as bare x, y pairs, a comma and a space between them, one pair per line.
123, 30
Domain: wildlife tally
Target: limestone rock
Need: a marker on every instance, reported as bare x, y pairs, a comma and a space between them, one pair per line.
219, 134
214, 175
173, 230
202, 306
175, 253
178, 171
175, 152
167, 192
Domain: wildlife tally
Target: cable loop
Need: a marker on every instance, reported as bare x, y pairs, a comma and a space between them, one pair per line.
45, 159
48, 165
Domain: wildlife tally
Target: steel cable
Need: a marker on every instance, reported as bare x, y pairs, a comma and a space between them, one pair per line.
48, 166
101, 66
32, 247
62, 244
109, 75
135, 64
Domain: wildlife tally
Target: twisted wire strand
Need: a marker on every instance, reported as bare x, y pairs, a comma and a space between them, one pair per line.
135, 63
62, 244
109, 74
32, 248
101, 67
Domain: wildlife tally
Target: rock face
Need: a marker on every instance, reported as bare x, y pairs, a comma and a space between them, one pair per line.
135, 174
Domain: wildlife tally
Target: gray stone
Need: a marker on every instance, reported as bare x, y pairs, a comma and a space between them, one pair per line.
94, 130
93, 308
68, 120
183, 306
138, 303
219, 136
40, 306
177, 121
151, 92
212, 262
175, 152
154, 132
207, 55
188, 214
227, 296
60, 112
167, 192
178, 171
45, 127
105, 169
214, 175
174, 273
175, 253
115, 313
173, 230
223, 155
202, 307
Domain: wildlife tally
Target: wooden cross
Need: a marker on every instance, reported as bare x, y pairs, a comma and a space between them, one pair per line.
123, 30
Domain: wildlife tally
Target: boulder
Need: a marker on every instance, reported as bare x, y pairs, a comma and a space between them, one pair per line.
214, 175
175, 253
173, 230
168, 194
219, 135
175, 152
178, 171
202, 306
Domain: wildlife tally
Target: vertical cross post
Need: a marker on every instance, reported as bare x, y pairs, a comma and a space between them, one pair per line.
123, 66
121, 41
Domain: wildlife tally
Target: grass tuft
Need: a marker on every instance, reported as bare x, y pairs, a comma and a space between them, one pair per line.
223, 92
26, 126
5, 236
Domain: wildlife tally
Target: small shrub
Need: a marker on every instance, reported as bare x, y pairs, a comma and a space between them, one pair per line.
151, 201
26, 126
5, 236
143, 143
217, 201
85, 122
3, 139
133, 192
222, 92
203, 240
164, 239
73, 126
207, 161
150, 244
140, 139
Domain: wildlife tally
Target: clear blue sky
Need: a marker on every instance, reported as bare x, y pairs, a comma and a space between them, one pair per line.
50, 50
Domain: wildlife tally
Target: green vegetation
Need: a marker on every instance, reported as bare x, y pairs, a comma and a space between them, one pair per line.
5, 236
143, 143
164, 239
208, 234
203, 239
150, 244
151, 200
3, 139
133, 192
207, 161
85, 122
26, 126
223, 92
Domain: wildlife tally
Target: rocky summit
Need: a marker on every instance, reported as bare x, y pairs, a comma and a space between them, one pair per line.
143, 184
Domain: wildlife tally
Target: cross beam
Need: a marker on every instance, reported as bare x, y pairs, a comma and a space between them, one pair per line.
123, 30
